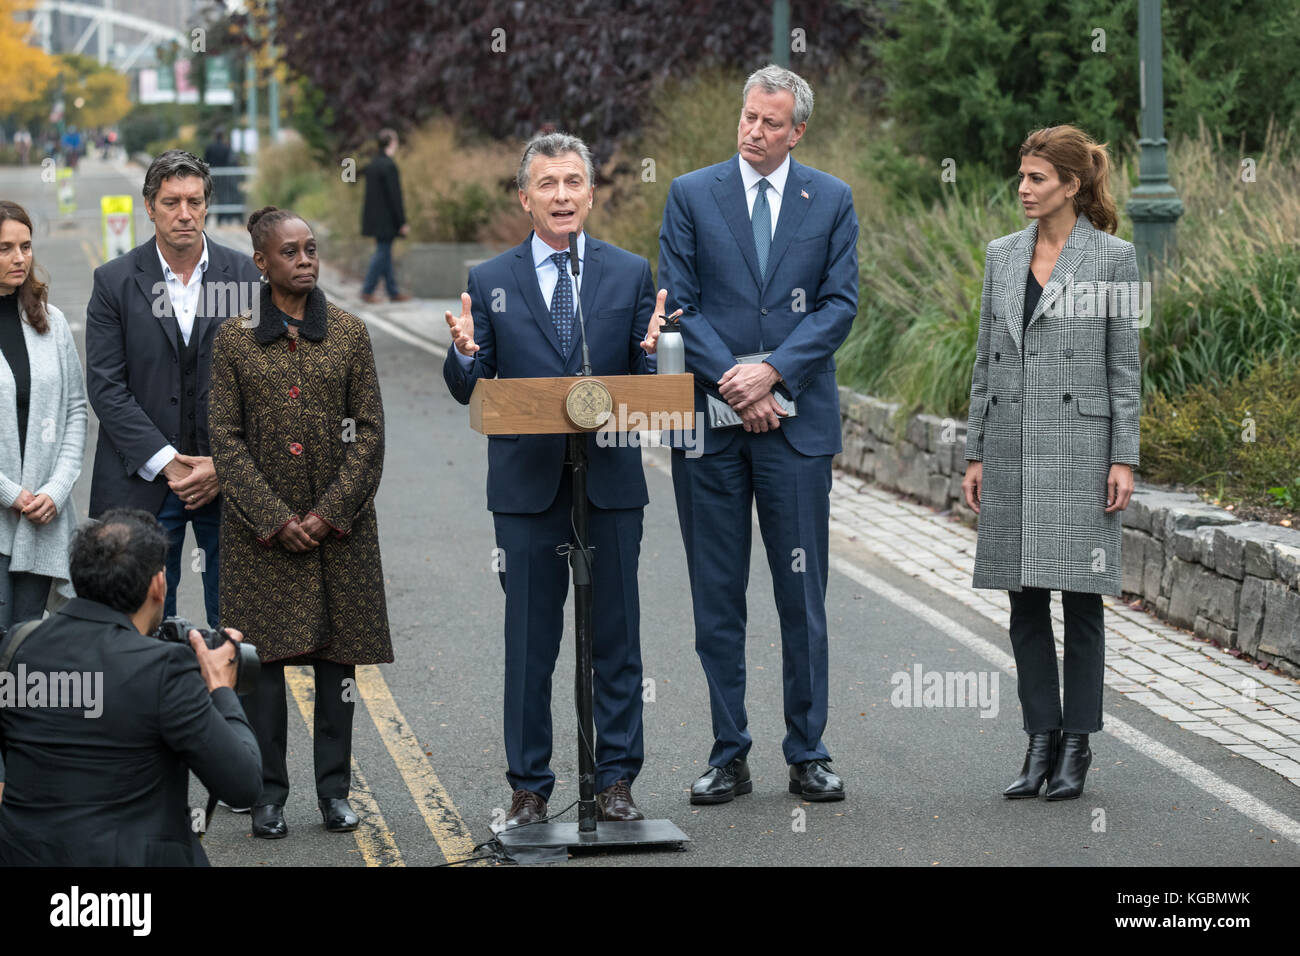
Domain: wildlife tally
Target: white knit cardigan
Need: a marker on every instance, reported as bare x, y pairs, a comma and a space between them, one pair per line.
56, 443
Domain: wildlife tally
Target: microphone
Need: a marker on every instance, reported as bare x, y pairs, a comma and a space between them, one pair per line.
577, 301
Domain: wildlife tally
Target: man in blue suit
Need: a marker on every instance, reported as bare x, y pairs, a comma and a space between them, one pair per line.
519, 320
760, 253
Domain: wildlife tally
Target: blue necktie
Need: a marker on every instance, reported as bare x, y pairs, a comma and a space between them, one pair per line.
562, 302
762, 220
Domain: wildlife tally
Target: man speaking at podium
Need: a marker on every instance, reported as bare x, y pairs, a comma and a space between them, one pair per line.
520, 319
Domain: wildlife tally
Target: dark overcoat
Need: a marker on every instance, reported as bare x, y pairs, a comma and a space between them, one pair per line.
383, 213
297, 426
1052, 407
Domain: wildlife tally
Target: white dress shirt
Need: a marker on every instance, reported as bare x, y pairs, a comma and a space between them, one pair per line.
184, 297
547, 276
775, 179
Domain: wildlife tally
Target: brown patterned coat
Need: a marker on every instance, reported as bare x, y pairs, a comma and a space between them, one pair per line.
297, 426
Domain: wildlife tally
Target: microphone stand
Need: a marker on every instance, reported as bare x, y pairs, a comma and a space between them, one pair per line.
580, 562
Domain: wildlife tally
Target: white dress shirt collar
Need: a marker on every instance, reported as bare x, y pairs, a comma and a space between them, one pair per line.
171, 276
542, 252
776, 178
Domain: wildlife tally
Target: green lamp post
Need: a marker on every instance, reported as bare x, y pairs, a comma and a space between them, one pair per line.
1154, 206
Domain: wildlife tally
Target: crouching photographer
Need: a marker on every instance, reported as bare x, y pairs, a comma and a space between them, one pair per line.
101, 720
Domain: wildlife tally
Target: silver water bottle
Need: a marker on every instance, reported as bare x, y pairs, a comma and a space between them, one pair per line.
671, 351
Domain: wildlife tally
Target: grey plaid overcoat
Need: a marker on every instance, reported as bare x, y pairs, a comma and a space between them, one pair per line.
1051, 414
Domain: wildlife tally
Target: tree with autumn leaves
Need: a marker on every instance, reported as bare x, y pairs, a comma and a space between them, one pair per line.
26, 71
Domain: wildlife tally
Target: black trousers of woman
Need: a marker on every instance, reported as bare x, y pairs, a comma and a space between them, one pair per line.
1035, 652
267, 710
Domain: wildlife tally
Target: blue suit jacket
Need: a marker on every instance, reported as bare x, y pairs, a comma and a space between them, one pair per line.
517, 339
801, 313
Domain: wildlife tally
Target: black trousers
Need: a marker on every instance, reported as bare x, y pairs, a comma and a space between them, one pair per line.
268, 713
1035, 650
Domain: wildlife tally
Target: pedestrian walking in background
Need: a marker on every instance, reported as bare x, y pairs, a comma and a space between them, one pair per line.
383, 216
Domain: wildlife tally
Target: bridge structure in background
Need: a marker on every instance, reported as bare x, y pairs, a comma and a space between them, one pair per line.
100, 22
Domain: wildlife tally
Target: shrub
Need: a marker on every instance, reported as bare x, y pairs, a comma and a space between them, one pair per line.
1240, 436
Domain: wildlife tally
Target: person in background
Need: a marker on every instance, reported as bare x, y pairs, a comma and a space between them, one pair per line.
383, 216
218, 155
42, 429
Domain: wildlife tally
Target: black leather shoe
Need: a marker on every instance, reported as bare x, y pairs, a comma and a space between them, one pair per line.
723, 784
813, 780
1066, 781
338, 816
1040, 758
268, 822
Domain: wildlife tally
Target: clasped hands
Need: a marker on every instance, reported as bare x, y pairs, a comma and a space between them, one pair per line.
193, 479
748, 390
302, 534
38, 509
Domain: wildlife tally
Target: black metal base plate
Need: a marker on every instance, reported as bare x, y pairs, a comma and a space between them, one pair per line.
607, 834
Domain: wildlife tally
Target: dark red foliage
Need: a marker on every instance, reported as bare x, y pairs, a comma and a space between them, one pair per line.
588, 66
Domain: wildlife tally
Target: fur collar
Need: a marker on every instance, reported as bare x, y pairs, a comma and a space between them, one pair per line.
271, 326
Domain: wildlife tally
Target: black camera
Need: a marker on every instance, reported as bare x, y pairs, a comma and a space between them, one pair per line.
247, 666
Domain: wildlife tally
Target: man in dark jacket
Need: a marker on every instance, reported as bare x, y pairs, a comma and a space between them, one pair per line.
96, 772
383, 217
150, 322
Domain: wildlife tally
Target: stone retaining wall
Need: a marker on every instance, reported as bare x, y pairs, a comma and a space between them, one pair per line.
1196, 566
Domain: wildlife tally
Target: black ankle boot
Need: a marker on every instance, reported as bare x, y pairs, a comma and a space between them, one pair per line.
1066, 781
1040, 758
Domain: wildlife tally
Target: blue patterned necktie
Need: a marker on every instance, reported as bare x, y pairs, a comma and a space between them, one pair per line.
562, 302
762, 220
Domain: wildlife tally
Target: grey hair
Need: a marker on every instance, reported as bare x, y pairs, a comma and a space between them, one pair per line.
176, 162
553, 145
774, 79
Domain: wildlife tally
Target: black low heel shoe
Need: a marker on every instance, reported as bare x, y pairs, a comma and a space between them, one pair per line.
338, 816
1066, 781
1040, 758
268, 822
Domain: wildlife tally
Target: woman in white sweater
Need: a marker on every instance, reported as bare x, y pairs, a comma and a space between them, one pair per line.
42, 430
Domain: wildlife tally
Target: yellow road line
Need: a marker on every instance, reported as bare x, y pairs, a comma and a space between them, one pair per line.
378, 848
432, 799
92, 253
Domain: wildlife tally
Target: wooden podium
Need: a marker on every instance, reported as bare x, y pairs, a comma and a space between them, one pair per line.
576, 406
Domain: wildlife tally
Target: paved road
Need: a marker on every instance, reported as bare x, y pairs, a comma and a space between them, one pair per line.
923, 783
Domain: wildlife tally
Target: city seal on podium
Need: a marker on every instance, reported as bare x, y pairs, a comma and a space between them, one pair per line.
588, 404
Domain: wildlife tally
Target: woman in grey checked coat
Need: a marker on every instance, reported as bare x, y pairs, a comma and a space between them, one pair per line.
1052, 440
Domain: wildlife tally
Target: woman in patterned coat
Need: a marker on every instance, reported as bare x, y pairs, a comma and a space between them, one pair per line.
297, 431
1052, 440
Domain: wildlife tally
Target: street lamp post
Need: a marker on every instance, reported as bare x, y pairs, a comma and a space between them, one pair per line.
1154, 206
781, 33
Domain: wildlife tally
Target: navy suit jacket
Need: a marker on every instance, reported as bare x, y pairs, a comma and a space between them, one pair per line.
801, 313
132, 365
517, 339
